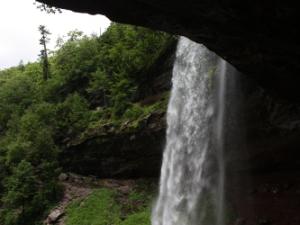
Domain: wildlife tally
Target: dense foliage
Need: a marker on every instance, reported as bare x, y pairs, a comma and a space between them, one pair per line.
92, 79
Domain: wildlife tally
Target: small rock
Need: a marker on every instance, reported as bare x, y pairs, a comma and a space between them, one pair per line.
124, 189
54, 216
63, 177
82, 204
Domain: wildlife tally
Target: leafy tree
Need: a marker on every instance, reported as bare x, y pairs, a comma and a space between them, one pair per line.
124, 51
3, 170
21, 187
21, 66
17, 93
74, 116
75, 35
47, 8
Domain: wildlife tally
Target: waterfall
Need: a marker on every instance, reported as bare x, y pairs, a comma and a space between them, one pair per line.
192, 176
219, 134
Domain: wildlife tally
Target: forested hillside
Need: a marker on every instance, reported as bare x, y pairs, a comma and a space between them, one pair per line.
90, 81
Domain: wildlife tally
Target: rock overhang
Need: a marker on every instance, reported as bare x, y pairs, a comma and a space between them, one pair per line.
260, 38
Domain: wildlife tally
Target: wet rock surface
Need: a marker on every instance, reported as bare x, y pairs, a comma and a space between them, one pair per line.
263, 163
124, 153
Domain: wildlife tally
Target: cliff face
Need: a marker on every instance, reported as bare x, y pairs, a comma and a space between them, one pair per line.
123, 152
263, 185
260, 38
130, 148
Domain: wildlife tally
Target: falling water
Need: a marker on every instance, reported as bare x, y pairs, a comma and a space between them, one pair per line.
220, 104
192, 174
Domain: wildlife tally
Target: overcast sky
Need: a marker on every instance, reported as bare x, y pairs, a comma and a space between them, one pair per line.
19, 36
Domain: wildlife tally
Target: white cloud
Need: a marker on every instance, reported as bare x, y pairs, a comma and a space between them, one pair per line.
19, 36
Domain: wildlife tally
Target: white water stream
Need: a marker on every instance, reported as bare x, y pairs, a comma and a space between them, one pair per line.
193, 171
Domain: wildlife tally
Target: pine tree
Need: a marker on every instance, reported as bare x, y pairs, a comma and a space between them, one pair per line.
44, 53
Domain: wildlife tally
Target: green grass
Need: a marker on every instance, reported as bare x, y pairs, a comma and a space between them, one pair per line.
103, 208
140, 218
98, 209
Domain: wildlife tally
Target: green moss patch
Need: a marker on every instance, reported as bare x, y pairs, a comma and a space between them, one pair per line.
98, 209
111, 207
